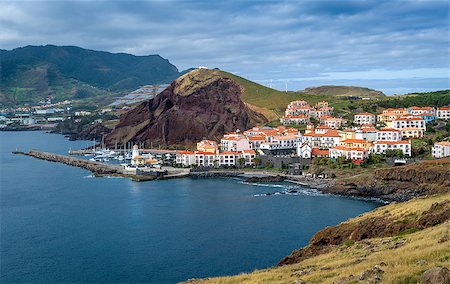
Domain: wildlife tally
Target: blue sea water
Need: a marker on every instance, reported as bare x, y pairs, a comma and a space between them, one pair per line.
60, 224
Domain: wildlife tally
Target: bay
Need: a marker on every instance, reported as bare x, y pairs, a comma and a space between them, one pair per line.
60, 224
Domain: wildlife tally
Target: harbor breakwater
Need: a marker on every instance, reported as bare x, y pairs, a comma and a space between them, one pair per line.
95, 167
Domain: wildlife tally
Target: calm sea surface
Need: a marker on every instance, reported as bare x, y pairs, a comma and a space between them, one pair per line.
59, 224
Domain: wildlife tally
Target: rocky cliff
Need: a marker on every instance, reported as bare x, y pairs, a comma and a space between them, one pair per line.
397, 183
200, 104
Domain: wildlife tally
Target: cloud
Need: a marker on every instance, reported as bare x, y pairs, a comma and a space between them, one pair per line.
297, 39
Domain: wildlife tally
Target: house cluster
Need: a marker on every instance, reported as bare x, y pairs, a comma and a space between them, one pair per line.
300, 112
353, 143
328, 139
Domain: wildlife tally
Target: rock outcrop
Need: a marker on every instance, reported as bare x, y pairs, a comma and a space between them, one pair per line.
436, 275
397, 183
200, 104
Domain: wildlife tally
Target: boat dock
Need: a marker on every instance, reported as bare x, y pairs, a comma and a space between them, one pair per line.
103, 169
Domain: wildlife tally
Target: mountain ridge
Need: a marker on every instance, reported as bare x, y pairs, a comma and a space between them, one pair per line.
33, 72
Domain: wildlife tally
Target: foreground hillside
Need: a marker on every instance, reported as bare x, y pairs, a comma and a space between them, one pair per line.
33, 72
396, 243
200, 104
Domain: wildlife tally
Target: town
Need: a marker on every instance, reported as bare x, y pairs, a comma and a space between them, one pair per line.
390, 133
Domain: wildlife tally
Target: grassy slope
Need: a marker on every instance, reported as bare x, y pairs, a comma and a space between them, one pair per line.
404, 264
272, 103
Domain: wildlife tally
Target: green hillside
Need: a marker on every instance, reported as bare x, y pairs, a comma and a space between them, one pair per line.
33, 72
272, 103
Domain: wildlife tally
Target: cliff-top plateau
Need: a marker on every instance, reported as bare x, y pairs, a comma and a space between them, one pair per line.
200, 104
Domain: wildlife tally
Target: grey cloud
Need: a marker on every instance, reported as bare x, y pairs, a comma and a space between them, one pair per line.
300, 39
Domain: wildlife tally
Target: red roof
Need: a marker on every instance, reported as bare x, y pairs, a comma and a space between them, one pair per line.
344, 148
354, 141
392, 142
185, 152
249, 152
409, 118
256, 138
228, 153
364, 113
329, 133
204, 153
319, 152
388, 130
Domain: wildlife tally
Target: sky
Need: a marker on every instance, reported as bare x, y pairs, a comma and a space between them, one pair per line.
393, 46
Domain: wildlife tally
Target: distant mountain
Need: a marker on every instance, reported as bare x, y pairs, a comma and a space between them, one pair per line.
343, 91
33, 72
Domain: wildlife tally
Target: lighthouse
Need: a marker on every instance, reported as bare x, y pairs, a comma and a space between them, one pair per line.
135, 152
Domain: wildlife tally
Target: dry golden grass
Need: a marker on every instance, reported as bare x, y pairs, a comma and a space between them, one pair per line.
403, 264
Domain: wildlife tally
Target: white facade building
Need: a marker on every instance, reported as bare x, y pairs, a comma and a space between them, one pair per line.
234, 143
389, 134
443, 113
381, 147
364, 118
441, 149
407, 122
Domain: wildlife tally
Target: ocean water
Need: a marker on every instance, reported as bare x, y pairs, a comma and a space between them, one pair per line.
60, 224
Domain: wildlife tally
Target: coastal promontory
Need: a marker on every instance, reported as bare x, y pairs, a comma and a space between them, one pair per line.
200, 104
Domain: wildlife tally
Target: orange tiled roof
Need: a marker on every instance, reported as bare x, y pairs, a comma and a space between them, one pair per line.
364, 113
229, 153
354, 141
319, 152
388, 130
392, 142
345, 148
185, 152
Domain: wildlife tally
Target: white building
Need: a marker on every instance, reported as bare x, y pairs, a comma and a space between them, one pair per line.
443, 113
185, 158
205, 159
255, 141
320, 138
422, 110
304, 150
286, 141
82, 113
228, 158
366, 133
354, 154
389, 134
248, 156
381, 147
441, 149
412, 132
295, 119
333, 122
364, 118
234, 142
407, 122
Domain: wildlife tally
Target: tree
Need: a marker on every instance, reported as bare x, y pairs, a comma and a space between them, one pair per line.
256, 162
241, 162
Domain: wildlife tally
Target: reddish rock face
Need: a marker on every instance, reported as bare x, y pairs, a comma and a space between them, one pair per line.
200, 104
